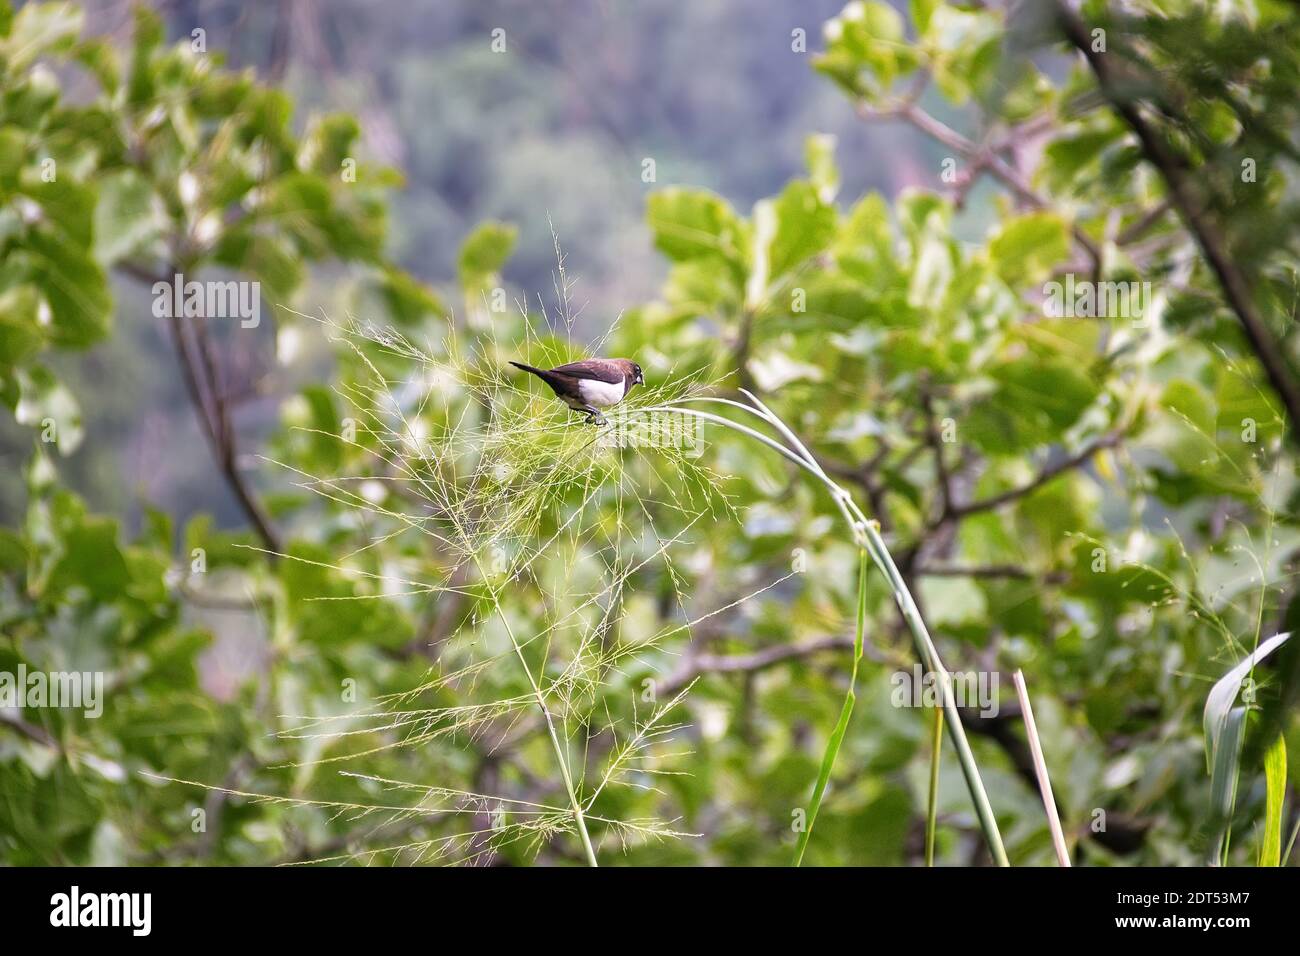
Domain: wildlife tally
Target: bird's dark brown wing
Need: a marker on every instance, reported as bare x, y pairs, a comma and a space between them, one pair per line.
600, 370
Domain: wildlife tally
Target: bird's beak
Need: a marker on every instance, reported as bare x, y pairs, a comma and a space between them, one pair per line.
639, 379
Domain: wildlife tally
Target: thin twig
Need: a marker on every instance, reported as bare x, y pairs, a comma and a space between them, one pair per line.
1108, 440
1040, 768
199, 373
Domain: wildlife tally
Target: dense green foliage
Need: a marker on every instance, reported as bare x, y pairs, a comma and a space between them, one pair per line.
1106, 502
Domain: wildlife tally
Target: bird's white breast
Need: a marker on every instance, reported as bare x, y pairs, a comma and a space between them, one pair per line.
600, 394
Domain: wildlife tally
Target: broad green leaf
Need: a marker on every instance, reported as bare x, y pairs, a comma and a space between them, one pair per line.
13, 155
126, 219
953, 601
1068, 156
328, 142
485, 251
1035, 401
1270, 853
866, 232
1025, 249
73, 284
922, 11
693, 224
804, 226
1223, 696
965, 48
92, 560
846, 713
1224, 727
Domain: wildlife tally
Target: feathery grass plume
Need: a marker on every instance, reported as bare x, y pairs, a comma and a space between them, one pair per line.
524, 503
539, 526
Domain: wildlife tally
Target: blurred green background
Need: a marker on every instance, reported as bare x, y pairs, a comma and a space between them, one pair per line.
305, 615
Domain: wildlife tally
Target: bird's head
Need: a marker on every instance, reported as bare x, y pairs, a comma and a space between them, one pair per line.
637, 377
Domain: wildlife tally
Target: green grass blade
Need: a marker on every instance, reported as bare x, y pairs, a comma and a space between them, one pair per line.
1270, 853
1223, 695
929, 655
1290, 844
1225, 725
932, 807
1223, 780
846, 712
866, 533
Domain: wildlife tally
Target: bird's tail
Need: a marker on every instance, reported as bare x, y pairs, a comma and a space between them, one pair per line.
528, 368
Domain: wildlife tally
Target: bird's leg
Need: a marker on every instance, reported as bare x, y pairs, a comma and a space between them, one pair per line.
594, 417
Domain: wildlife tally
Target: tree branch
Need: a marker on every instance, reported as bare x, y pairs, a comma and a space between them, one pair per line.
210, 405
1182, 195
1011, 571
1108, 440
756, 661
980, 158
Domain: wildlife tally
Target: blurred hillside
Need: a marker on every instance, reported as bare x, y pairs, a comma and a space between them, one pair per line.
558, 130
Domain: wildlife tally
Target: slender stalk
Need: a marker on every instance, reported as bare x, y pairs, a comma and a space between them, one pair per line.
930, 660
932, 806
866, 534
846, 712
560, 756
1290, 843
1040, 769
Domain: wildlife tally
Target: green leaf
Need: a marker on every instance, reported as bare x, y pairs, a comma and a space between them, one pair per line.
74, 285
484, 252
99, 56
846, 712
866, 50
1026, 248
1270, 853
38, 30
46, 404
1223, 695
1224, 724
1066, 157
1035, 401
819, 155
965, 49
804, 226
406, 299
148, 37
14, 141
92, 560
922, 11
327, 143
20, 332
694, 224
126, 219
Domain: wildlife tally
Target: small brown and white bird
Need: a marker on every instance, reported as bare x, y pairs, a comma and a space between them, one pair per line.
590, 385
